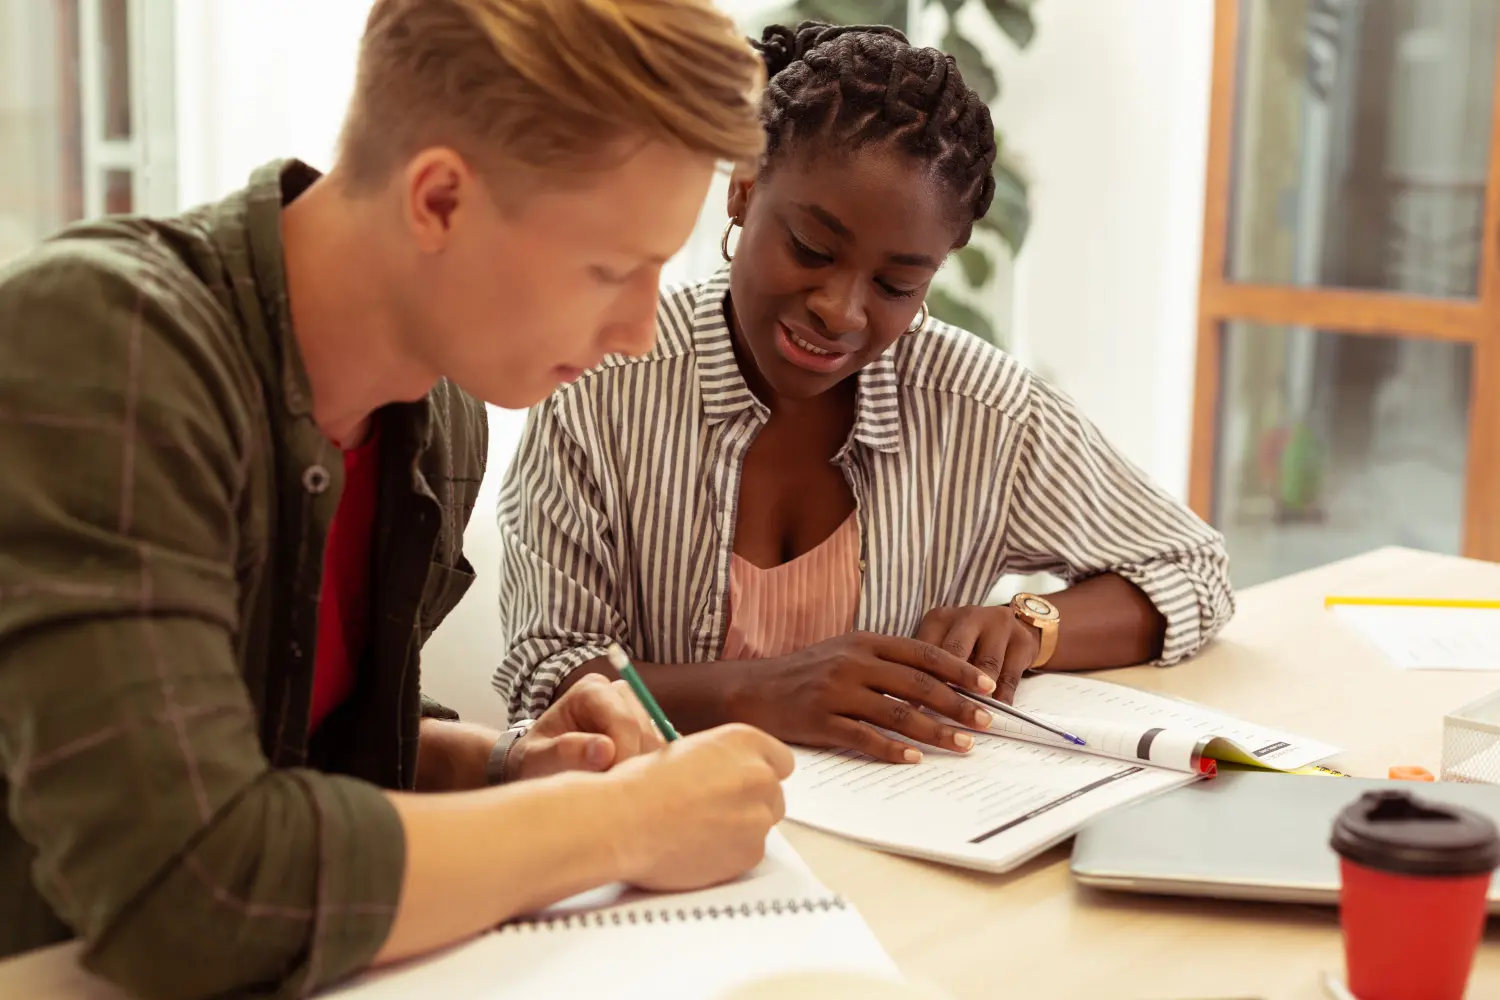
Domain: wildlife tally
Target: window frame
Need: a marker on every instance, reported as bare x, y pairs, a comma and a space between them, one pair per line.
149, 153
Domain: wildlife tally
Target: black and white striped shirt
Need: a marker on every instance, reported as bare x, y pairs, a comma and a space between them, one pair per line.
617, 516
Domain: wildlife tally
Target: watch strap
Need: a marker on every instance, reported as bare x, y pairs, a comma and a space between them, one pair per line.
494, 769
1046, 624
1048, 630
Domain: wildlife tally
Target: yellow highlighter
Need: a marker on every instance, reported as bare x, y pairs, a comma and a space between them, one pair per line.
1411, 602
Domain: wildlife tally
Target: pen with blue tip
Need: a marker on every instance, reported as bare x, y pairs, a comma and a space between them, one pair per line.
1016, 713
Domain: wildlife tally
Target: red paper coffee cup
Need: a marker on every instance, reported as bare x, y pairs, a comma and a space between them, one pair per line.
1415, 876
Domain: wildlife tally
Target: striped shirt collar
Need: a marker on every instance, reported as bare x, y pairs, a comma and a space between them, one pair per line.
725, 394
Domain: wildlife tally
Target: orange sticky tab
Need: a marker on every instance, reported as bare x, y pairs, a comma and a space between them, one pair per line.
1411, 773
1208, 767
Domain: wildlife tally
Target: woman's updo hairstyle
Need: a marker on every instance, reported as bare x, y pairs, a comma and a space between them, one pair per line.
833, 87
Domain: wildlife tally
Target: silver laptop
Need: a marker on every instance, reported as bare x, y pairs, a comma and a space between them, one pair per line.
1243, 835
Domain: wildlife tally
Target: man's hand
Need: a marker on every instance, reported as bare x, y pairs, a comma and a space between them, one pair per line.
836, 694
699, 812
991, 638
594, 726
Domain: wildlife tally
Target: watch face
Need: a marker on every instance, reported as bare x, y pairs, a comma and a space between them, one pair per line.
1037, 606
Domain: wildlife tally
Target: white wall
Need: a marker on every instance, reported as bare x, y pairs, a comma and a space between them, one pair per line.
257, 81
1108, 109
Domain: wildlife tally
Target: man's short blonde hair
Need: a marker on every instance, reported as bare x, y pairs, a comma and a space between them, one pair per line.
548, 84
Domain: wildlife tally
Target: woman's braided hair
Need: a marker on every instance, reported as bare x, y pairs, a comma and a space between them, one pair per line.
864, 84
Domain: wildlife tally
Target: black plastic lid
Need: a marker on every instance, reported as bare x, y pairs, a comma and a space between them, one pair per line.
1394, 831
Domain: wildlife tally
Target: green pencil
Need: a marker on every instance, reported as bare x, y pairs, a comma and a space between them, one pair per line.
621, 662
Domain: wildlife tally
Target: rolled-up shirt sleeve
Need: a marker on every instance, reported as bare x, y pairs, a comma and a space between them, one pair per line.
1078, 508
161, 836
560, 594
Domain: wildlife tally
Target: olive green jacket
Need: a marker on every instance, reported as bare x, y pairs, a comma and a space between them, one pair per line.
164, 500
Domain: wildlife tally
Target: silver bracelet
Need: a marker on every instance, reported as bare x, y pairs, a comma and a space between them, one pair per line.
494, 769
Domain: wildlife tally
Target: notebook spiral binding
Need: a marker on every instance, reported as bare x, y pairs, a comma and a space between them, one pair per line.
682, 914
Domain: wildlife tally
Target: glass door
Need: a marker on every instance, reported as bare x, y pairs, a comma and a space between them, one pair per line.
1348, 309
87, 113
39, 131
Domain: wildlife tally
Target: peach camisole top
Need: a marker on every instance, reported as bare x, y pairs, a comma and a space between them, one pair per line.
785, 608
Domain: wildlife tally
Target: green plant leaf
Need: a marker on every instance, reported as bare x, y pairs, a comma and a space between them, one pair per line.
977, 72
1010, 213
789, 13
948, 309
891, 12
976, 265
1014, 18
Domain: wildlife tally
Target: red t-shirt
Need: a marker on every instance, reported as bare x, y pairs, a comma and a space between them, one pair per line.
344, 602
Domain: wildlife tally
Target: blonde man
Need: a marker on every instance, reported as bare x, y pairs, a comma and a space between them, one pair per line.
240, 449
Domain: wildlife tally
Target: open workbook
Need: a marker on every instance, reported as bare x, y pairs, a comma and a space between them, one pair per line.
619, 942
1022, 789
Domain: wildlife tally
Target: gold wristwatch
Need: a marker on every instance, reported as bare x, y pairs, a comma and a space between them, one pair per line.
1041, 613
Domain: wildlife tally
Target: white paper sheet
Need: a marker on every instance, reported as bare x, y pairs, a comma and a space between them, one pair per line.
1173, 748
1415, 638
1118, 718
783, 875
1015, 795
688, 961
992, 809
680, 946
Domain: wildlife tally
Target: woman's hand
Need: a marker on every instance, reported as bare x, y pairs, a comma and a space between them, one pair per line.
991, 638
594, 726
834, 694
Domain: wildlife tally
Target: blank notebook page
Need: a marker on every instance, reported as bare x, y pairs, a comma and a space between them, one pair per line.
621, 943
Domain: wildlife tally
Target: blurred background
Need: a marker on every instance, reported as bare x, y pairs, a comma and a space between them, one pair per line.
1255, 239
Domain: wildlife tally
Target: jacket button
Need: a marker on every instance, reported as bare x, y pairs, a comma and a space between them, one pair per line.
315, 479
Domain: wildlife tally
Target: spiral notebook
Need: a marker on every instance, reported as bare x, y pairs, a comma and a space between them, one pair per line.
619, 942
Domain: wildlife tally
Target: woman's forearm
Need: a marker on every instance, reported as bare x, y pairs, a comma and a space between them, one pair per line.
695, 696
1107, 621
476, 859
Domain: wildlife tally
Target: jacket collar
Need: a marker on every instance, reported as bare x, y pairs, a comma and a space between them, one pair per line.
272, 187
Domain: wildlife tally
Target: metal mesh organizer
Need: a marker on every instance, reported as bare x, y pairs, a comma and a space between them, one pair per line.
1471, 742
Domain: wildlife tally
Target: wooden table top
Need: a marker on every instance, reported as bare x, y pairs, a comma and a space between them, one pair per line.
1283, 661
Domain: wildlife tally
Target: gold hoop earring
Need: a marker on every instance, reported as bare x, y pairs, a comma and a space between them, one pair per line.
724, 243
921, 319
